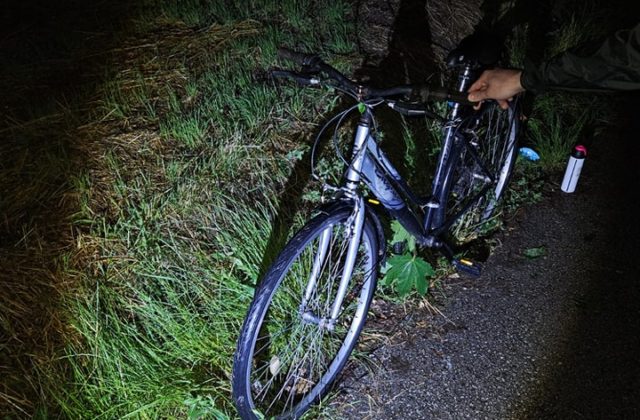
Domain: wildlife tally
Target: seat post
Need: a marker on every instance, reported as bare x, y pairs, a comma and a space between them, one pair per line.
464, 81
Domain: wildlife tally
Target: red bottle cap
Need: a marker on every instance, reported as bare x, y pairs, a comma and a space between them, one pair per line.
580, 151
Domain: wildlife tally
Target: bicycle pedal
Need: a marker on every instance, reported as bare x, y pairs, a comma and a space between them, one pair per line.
467, 266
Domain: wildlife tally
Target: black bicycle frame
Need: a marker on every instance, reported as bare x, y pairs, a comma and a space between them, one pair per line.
393, 193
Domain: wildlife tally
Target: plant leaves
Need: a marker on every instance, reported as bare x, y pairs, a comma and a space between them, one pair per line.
400, 234
536, 252
422, 284
406, 272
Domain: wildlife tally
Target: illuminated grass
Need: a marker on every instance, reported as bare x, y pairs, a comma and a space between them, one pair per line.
179, 157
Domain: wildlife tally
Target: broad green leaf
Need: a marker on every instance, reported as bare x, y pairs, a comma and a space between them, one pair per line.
407, 272
395, 265
400, 234
422, 285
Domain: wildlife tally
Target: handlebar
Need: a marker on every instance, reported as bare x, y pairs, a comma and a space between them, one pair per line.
313, 64
301, 79
439, 93
413, 110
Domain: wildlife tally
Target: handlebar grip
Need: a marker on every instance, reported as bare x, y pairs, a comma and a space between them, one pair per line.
394, 91
428, 92
413, 110
407, 109
298, 58
315, 64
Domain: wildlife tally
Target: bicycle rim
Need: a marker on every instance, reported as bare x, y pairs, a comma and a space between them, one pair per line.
288, 357
481, 171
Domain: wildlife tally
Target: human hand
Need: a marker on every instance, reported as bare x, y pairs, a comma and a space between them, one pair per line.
499, 84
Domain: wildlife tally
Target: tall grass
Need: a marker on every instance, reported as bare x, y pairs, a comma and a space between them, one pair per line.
146, 205
157, 322
556, 126
175, 207
559, 120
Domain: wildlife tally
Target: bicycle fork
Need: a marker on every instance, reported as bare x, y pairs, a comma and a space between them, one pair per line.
355, 224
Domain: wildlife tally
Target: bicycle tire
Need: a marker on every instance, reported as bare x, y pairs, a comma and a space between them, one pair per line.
495, 142
275, 338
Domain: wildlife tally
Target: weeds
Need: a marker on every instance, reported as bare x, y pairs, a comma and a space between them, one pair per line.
559, 120
171, 189
407, 271
576, 29
554, 128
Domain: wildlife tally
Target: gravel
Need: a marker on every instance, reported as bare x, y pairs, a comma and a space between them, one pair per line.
543, 338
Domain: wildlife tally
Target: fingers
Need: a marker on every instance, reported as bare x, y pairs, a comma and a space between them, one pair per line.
498, 84
478, 87
502, 103
478, 84
477, 96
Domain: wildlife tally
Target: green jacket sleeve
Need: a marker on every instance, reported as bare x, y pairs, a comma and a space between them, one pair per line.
615, 65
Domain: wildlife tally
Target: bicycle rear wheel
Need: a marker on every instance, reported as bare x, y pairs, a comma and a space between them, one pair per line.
483, 159
287, 355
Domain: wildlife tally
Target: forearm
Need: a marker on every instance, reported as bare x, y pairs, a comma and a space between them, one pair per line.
615, 65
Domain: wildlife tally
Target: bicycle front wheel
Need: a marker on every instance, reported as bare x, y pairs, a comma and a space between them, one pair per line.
482, 164
289, 352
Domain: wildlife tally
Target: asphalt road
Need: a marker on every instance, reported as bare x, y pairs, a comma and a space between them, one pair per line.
556, 337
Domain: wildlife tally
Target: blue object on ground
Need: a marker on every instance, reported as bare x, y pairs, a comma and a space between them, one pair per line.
529, 154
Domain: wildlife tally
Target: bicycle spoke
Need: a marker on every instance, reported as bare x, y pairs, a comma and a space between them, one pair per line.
297, 345
483, 166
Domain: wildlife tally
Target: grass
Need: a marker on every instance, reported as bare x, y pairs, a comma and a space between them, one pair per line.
168, 174
579, 26
178, 264
159, 317
559, 120
556, 129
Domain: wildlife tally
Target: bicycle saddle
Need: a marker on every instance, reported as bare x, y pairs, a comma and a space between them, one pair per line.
479, 49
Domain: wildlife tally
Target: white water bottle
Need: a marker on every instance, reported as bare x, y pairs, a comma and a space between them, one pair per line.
574, 167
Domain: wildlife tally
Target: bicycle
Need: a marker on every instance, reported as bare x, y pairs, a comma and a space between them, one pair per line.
311, 304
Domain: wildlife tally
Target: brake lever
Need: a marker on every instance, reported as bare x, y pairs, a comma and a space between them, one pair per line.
410, 110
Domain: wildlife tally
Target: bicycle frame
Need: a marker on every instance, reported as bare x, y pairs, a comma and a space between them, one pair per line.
369, 164
388, 186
